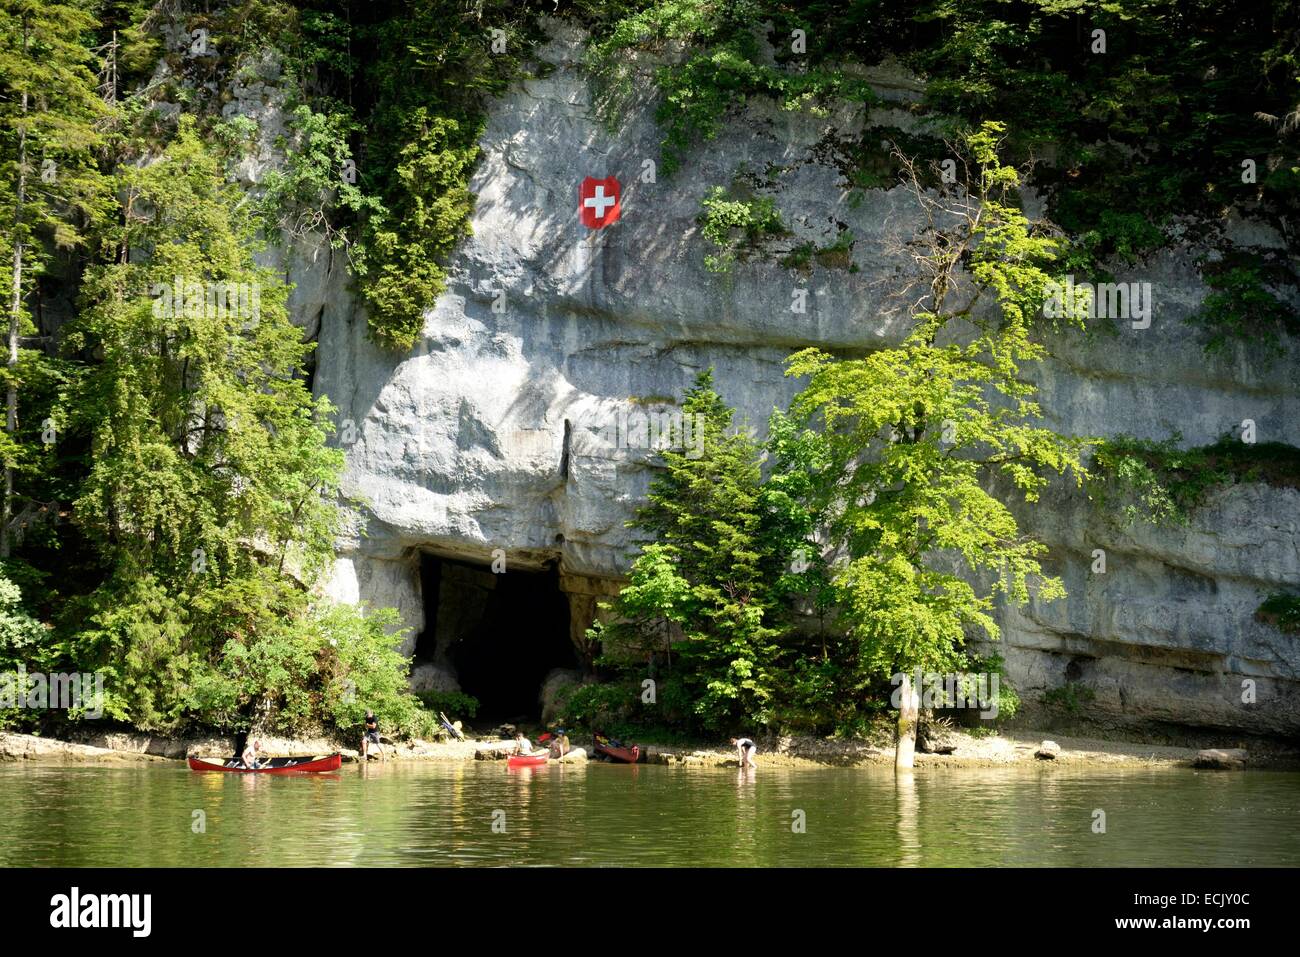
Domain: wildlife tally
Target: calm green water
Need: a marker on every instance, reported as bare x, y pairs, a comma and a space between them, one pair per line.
442, 814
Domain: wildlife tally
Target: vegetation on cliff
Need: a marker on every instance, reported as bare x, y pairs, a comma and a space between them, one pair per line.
394, 104
1148, 110
1135, 479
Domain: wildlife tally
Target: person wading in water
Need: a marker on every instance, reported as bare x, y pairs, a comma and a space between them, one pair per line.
745, 750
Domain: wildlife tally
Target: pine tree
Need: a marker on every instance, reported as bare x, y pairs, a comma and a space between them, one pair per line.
210, 480
707, 581
49, 105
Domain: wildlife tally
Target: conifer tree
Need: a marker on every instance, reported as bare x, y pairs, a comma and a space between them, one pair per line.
49, 106
210, 483
708, 581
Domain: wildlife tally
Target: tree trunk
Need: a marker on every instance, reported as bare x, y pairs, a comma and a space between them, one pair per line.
908, 711
15, 311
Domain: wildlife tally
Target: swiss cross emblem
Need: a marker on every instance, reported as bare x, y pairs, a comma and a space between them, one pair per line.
598, 201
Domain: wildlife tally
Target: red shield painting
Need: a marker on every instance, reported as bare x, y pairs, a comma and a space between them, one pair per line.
598, 201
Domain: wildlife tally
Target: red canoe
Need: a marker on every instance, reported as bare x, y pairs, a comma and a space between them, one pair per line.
273, 766
525, 760
617, 752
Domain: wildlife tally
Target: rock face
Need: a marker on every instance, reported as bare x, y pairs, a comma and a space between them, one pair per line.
505, 428
431, 677
20, 747
559, 681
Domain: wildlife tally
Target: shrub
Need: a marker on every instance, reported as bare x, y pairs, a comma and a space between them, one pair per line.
1282, 610
736, 225
22, 637
601, 704
1161, 483
1071, 698
1241, 308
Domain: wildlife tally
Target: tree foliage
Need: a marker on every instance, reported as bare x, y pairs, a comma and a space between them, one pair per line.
210, 486
203, 436
908, 440
49, 138
705, 589
419, 74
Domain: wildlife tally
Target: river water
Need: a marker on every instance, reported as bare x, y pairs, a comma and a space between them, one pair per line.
481, 814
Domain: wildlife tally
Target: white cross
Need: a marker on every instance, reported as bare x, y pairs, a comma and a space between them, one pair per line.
599, 201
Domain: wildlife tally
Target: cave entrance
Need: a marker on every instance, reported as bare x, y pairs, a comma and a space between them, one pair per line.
500, 635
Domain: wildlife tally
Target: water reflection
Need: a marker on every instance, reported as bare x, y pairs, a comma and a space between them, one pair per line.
396, 814
908, 804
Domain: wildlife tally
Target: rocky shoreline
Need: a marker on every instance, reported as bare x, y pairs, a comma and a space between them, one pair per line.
961, 751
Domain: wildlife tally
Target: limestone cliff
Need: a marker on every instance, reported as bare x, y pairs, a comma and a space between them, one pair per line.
492, 433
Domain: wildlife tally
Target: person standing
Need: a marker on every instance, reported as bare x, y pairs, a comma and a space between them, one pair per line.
371, 735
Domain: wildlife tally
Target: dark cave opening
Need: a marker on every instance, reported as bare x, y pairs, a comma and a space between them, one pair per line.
500, 634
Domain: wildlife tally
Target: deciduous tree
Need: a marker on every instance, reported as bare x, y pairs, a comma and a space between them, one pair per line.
910, 438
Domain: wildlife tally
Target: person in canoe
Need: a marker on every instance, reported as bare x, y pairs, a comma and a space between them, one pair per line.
252, 754
522, 744
371, 735
745, 750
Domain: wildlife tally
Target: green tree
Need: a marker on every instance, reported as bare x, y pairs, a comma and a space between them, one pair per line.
310, 194
429, 210
21, 635
49, 105
430, 68
911, 437
23, 640
705, 588
210, 484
